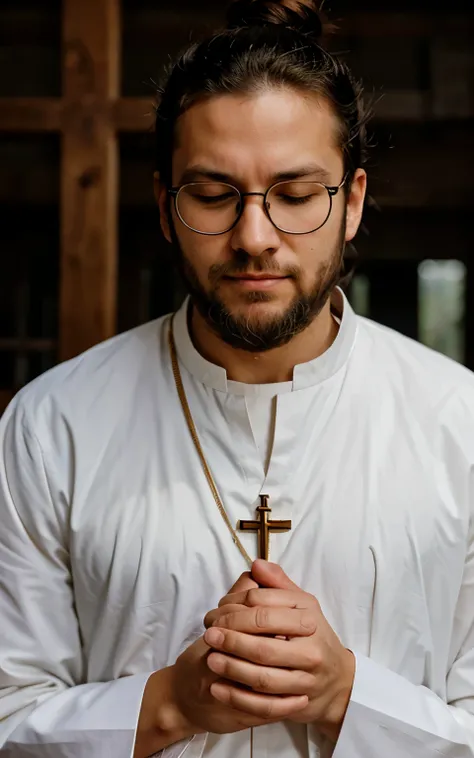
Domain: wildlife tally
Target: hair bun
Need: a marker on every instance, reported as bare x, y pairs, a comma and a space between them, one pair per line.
301, 15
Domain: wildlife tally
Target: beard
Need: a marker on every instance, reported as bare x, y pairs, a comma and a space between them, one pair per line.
259, 334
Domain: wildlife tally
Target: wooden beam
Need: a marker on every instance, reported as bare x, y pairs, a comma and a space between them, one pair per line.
49, 114
30, 114
136, 114
89, 184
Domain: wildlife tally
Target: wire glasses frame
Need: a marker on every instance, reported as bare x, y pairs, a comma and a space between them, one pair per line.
332, 191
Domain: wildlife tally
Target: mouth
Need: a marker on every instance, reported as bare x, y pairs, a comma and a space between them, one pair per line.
256, 281
258, 277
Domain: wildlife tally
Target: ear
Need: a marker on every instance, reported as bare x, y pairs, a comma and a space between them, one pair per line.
161, 197
355, 203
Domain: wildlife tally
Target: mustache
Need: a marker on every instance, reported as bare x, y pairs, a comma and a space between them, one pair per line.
220, 270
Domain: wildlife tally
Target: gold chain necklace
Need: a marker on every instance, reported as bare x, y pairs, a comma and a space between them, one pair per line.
192, 429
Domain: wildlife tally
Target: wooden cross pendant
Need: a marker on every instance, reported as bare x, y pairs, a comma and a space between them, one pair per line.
264, 527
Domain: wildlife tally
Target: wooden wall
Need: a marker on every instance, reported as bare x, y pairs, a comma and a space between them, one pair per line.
81, 253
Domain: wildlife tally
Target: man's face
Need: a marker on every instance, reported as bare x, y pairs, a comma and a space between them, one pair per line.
250, 140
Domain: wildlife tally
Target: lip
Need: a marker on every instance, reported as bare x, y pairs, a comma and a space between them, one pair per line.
257, 277
257, 282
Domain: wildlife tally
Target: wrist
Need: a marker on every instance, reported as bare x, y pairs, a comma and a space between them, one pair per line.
336, 713
161, 723
170, 720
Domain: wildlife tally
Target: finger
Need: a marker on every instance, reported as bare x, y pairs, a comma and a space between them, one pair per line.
270, 681
268, 574
268, 707
274, 597
244, 583
299, 653
286, 622
213, 616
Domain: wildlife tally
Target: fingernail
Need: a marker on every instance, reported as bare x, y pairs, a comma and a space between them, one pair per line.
214, 637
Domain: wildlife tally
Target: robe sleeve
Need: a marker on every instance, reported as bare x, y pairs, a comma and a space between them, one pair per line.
47, 709
391, 717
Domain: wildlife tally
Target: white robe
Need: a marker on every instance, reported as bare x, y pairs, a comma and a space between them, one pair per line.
112, 549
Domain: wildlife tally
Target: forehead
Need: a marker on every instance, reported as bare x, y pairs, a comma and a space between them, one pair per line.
251, 137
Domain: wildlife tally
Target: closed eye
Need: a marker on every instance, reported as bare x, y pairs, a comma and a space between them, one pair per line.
296, 200
214, 199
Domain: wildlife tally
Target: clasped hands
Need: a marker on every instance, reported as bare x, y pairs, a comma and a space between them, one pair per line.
275, 654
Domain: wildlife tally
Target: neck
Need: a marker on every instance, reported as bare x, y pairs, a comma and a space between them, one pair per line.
271, 366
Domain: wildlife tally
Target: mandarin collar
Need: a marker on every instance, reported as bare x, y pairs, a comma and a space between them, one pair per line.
304, 374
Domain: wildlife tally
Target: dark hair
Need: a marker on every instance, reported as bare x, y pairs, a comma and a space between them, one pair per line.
267, 43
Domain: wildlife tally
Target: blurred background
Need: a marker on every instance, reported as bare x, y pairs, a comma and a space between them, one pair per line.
81, 255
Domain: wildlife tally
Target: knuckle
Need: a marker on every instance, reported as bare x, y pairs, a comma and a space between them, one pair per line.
225, 620
222, 620
230, 643
268, 709
261, 618
252, 597
304, 682
263, 682
314, 659
308, 622
263, 652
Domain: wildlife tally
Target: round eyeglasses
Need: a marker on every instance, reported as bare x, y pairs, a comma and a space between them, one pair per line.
293, 207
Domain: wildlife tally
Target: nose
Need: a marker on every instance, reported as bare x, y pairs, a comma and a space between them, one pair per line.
255, 233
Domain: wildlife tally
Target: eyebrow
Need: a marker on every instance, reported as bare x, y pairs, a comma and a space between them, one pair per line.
198, 173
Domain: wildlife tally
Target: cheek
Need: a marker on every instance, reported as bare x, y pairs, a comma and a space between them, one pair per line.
315, 250
202, 252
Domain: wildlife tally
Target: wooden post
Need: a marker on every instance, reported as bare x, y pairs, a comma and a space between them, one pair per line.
89, 178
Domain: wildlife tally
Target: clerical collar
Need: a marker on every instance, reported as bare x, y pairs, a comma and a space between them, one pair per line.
304, 375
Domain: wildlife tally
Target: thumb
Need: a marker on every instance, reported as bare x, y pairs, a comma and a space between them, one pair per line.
271, 575
244, 582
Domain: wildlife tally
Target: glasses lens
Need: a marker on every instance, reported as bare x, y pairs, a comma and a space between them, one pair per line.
208, 207
299, 207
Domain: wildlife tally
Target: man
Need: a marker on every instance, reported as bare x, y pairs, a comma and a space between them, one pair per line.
141, 480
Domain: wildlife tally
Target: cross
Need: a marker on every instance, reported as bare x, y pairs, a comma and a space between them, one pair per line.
89, 116
263, 527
